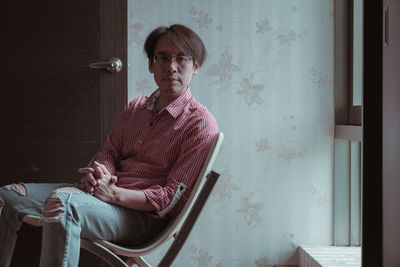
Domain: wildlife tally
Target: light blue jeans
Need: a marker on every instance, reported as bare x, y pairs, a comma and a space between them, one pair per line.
78, 215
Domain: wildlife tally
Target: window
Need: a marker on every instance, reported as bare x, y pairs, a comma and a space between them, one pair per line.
348, 122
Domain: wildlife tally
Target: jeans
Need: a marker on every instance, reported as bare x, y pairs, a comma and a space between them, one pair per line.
74, 214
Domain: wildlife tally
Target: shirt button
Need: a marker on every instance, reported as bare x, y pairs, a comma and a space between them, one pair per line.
140, 142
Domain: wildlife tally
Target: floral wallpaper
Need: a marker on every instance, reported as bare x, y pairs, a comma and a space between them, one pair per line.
268, 81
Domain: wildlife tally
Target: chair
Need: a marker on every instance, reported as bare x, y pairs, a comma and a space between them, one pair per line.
178, 228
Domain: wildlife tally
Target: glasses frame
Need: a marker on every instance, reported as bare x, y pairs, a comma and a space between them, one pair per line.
164, 59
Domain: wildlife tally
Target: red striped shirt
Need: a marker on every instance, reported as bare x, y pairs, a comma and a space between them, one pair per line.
156, 153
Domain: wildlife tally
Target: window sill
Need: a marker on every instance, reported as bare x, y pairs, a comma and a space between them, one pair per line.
329, 256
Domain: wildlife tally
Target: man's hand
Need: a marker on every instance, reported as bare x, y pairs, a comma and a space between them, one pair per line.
93, 176
88, 181
105, 189
99, 182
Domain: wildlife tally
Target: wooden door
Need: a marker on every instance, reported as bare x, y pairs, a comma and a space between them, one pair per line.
55, 112
391, 133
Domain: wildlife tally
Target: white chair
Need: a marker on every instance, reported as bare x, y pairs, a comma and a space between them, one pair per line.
178, 228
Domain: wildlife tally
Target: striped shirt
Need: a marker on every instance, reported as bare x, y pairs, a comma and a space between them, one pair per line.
160, 154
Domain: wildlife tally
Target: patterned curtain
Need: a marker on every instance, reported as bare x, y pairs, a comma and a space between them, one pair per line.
268, 80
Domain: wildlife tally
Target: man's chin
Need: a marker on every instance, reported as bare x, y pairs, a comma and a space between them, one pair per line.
172, 91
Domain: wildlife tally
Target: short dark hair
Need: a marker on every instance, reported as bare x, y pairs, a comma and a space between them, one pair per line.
183, 37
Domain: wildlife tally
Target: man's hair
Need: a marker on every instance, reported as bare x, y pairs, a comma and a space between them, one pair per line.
183, 37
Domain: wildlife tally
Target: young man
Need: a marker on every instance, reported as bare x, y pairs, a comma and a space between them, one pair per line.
140, 178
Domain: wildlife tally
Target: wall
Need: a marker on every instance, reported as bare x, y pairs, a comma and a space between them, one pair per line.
268, 81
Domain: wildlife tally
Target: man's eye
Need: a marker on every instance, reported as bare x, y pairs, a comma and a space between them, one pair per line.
180, 58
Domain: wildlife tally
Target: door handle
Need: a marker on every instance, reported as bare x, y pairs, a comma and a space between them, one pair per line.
386, 26
113, 65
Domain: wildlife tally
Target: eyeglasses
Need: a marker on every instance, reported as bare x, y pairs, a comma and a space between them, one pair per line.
181, 60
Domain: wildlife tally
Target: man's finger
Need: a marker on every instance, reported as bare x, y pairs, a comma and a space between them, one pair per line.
82, 186
86, 170
89, 188
88, 179
98, 172
105, 171
103, 168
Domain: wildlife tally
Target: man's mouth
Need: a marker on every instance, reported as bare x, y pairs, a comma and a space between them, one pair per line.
171, 78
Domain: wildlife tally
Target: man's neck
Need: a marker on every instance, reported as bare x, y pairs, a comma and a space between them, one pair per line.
164, 100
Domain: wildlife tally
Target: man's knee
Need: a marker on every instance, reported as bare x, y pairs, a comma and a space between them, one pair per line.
54, 208
20, 188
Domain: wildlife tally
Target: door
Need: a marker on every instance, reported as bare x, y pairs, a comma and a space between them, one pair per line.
55, 111
391, 132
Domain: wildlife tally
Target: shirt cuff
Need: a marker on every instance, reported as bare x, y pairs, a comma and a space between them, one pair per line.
178, 194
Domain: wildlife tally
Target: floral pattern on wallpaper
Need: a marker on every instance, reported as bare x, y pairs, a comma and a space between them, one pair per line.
143, 85
283, 35
283, 153
250, 210
224, 68
250, 91
200, 17
262, 145
134, 33
263, 26
268, 82
322, 80
225, 187
200, 256
318, 196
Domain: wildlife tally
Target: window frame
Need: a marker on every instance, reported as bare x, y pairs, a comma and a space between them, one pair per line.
348, 126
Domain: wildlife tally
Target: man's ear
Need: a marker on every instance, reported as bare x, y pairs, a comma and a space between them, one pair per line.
150, 66
196, 68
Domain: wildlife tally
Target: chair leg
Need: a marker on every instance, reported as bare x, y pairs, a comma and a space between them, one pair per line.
188, 224
104, 253
140, 261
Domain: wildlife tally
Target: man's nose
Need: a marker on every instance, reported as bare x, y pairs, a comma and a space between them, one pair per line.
171, 65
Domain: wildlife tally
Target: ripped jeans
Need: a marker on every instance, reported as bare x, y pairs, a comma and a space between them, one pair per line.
68, 214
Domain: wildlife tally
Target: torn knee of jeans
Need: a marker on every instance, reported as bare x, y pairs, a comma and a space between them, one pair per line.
20, 189
53, 210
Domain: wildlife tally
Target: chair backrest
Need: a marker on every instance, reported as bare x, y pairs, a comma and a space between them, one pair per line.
176, 223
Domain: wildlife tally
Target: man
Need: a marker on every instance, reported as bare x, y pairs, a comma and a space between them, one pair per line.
140, 178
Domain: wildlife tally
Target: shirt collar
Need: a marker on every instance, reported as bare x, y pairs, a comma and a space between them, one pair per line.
153, 100
176, 107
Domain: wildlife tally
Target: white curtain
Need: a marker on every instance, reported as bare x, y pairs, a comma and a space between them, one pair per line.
268, 80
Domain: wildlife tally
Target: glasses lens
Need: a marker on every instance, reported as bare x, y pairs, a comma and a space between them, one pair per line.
181, 60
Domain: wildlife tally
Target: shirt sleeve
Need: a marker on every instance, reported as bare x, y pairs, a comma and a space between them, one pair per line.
110, 154
194, 149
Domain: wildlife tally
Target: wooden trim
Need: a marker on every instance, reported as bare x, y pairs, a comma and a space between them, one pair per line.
113, 43
341, 61
372, 143
355, 113
342, 172
345, 112
350, 62
349, 132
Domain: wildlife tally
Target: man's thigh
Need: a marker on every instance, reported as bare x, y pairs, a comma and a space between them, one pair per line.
102, 220
27, 198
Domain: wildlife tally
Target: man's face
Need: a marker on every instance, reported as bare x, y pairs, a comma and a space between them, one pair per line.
171, 77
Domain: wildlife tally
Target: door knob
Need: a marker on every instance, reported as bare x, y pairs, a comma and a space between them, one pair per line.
113, 65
